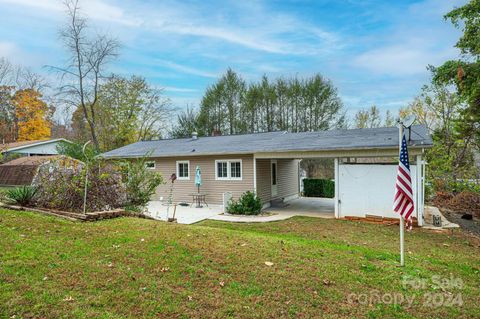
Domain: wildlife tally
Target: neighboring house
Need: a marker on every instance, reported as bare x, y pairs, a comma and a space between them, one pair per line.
32, 148
24, 170
268, 164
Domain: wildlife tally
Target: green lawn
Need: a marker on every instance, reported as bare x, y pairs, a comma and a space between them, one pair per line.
137, 268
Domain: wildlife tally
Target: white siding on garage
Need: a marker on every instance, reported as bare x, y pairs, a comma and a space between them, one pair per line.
369, 189
49, 148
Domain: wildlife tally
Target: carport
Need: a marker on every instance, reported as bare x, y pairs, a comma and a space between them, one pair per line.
365, 165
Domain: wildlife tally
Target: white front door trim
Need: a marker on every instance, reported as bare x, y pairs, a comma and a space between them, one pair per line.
274, 177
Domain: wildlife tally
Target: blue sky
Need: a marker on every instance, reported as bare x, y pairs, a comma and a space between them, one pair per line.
375, 52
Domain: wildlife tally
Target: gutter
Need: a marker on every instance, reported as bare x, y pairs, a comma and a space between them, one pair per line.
415, 146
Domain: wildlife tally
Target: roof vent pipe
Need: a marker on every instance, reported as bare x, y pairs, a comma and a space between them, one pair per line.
194, 136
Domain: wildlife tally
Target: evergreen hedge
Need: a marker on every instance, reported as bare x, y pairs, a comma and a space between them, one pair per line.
313, 187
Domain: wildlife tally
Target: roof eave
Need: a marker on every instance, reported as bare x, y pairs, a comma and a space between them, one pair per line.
416, 146
35, 144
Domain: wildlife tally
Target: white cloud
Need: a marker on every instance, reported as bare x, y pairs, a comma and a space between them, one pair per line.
413, 43
178, 89
401, 60
8, 49
253, 26
185, 69
94, 9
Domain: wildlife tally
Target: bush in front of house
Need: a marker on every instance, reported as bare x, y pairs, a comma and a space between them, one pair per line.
313, 187
22, 196
247, 204
140, 182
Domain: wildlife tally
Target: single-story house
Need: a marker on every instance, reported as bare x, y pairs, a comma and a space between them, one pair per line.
268, 164
32, 148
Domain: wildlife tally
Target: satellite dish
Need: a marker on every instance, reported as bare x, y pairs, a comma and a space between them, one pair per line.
408, 121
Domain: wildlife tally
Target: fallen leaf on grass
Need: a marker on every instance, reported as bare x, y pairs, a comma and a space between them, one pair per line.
222, 283
327, 282
268, 263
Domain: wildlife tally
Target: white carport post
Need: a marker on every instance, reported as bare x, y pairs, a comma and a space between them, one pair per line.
255, 174
420, 190
337, 188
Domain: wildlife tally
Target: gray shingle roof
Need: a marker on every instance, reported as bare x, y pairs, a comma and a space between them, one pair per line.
375, 138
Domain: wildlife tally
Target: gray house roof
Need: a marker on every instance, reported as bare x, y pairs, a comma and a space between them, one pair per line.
354, 139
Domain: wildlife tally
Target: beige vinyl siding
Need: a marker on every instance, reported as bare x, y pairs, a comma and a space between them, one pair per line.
213, 188
287, 178
264, 186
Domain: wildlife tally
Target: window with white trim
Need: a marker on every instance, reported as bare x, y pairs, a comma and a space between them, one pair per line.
228, 169
150, 165
183, 170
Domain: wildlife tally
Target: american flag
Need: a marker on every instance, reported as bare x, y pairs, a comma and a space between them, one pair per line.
403, 203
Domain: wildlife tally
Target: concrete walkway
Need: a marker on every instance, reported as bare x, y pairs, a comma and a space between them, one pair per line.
184, 215
431, 211
312, 207
303, 206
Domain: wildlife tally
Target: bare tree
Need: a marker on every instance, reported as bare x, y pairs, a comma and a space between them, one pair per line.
6, 70
85, 67
25, 79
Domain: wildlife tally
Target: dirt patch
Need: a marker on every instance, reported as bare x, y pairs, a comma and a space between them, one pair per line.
471, 226
462, 203
454, 206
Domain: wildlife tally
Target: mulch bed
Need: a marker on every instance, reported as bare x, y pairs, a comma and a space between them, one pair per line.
90, 216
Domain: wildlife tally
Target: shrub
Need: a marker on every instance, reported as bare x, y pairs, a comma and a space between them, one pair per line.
140, 183
247, 204
318, 188
22, 196
61, 185
75, 150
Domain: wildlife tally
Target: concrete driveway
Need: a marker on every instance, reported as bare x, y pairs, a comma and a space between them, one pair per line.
184, 215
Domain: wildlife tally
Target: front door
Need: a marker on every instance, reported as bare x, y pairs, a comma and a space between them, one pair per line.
273, 165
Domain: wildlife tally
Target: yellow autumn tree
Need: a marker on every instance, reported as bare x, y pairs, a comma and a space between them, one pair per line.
32, 116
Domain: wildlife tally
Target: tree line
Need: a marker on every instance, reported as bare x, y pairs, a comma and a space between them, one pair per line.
231, 106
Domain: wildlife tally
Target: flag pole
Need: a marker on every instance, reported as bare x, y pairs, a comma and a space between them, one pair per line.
402, 222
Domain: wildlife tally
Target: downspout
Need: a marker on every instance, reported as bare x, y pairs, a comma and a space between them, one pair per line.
254, 174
